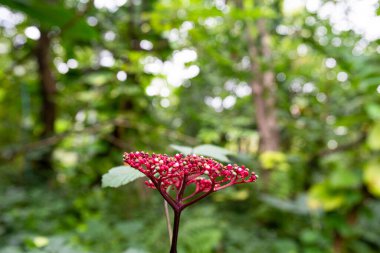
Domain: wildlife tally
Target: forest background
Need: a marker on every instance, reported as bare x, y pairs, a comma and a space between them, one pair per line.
291, 88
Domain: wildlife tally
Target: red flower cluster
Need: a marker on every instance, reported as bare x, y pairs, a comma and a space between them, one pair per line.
180, 171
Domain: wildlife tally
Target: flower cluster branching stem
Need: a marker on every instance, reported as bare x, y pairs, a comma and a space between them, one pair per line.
171, 175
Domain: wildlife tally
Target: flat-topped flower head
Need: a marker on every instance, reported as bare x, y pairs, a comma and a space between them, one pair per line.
179, 172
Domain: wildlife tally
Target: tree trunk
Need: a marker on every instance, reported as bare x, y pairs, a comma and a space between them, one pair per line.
264, 90
264, 93
43, 164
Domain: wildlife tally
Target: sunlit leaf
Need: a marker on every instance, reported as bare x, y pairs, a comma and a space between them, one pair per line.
343, 178
183, 149
119, 176
320, 197
373, 139
274, 160
208, 150
372, 177
213, 151
373, 111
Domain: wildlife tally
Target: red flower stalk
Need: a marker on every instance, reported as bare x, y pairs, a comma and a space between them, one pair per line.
179, 172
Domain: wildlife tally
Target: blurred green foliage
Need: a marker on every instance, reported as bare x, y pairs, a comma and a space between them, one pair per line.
141, 75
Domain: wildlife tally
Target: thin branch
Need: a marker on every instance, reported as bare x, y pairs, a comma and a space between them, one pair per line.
343, 147
52, 140
169, 227
167, 215
116, 142
21, 148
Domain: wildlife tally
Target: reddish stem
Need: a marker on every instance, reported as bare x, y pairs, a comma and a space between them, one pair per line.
232, 182
165, 195
201, 197
181, 189
177, 216
196, 191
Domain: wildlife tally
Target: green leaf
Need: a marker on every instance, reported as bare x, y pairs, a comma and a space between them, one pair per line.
208, 150
183, 149
213, 151
373, 111
297, 206
372, 177
274, 160
373, 139
49, 15
99, 78
343, 178
320, 196
369, 83
119, 176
